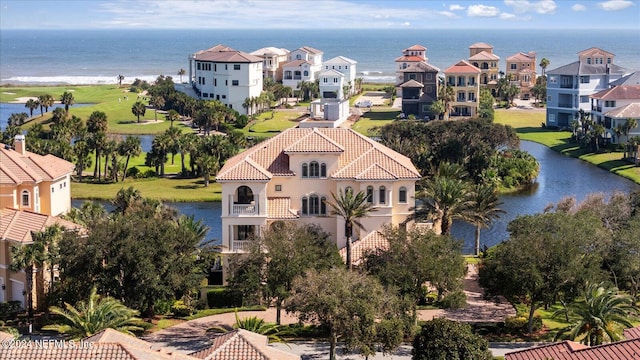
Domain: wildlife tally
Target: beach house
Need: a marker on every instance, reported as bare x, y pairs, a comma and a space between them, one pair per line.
464, 78
521, 72
569, 86
304, 65
613, 107
291, 175
272, 60
410, 56
345, 66
481, 56
227, 75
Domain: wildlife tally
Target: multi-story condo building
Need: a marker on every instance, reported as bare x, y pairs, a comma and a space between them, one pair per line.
481, 56
410, 56
521, 71
569, 86
304, 65
291, 175
613, 107
227, 75
272, 60
345, 66
464, 78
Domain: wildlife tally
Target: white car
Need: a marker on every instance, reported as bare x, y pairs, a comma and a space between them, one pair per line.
364, 103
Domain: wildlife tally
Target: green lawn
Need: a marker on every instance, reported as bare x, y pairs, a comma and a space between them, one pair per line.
166, 189
272, 122
377, 116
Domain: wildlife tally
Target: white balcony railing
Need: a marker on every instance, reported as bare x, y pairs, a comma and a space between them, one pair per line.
244, 209
241, 245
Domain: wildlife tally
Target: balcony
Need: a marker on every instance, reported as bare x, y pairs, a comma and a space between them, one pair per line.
566, 86
565, 105
241, 245
243, 208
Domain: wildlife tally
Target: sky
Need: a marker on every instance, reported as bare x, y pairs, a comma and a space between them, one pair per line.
322, 14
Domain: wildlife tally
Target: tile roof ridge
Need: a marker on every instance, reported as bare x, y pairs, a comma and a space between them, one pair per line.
19, 160
545, 345
325, 136
377, 146
9, 173
379, 167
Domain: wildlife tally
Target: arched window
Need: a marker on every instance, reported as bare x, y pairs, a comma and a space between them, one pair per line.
25, 198
402, 195
323, 206
314, 169
404, 65
298, 57
323, 170
382, 196
370, 194
305, 205
305, 170
245, 195
314, 205
305, 73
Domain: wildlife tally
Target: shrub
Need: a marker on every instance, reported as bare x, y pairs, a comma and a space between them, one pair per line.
454, 300
242, 121
9, 310
518, 324
150, 173
224, 298
179, 309
134, 172
163, 307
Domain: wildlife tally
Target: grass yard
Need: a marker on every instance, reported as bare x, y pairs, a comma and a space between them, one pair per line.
377, 116
272, 122
166, 189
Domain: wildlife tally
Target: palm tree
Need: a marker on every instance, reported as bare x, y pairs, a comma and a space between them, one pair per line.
138, 109
351, 208
97, 126
543, 65
120, 78
180, 73
444, 199
173, 135
484, 209
51, 255
246, 104
172, 116
208, 164
187, 145
128, 148
27, 258
67, 99
45, 101
631, 123
158, 103
447, 95
91, 317
602, 316
255, 325
31, 104
17, 119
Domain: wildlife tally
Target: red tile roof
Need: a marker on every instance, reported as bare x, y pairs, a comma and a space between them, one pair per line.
409, 58
480, 45
374, 241
462, 67
623, 92
105, 351
280, 208
632, 333
222, 53
16, 168
356, 153
531, 56
594, 50
295, 63
138, 348
569, 350
242, 345
484, 55
17, 225
416, 48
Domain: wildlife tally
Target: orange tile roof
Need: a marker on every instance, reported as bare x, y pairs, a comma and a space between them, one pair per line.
480, 45
138, 348
16, 168
409, 58
632, 333
357, 155
569, 350
594, 50
295, 63
222, 53
531, 56
242, 345
374, 241
311, 50
623, 92
484, 55
462, 67
280, 208
17, 225
416, 48
105, 351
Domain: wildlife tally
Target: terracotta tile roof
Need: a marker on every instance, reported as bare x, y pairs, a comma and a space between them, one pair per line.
247, 170
295, 63
625, 92
412, 84
416, 48
462, 67
569, 350
16, 168
138, 348
375, 240
311, 50
632, 333
409, 58
17, 225
356, 154
4, 336
484, 55
627, 111
105, 351
420, 67
531, 56
280, 208
242, 345
222, 53
594, 50
480, 45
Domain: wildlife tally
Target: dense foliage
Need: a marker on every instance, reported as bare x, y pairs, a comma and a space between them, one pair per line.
446, 339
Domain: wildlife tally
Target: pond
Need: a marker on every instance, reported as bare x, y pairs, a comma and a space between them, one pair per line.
6, 109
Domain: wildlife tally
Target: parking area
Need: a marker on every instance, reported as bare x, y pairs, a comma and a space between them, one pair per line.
372, 98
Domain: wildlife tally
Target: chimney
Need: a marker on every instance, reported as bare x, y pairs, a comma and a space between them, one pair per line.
19, 144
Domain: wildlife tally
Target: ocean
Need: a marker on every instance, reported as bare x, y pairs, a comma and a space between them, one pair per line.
99, 56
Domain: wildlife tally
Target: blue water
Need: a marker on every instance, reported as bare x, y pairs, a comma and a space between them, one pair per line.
6, 109
98, 56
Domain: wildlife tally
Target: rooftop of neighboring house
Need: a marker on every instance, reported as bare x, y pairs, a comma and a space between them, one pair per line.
225, 54
310, 50
582, 68
295, 63
625, 92
484, 55
416, 48
17, 225
632, 333
331, 72
341, 60
242, 344
20, 166
412, 84
629, 79
409, 58
359, 157
569, 350
594, 51
420, 67
627, 111
462, 67
374, 241
480, 45
522, 57
270, 50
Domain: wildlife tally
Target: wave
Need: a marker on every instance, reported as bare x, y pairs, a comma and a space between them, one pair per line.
379, 79
72, 80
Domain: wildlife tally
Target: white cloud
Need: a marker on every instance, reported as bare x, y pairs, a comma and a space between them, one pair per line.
456, 7
540, 7
448, 14
578, 7
405, 24
482, 11
507, 16
615, 5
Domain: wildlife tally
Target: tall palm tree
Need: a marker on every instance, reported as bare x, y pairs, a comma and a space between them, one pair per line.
27, 258
187, 145
98, 313
45, 101
631, 123
602, 317
158, 103
120, 79
128, 148
97, 126
544, 63
445, 199
49, 239
31, 104
484, 208
447, 95
17, 119
138, 109
67, 99
351, 208
180, 73
208, 164
172, 116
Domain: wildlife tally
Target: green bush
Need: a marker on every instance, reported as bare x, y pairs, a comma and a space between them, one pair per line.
179, 309
162, 307
150, 173
242, 121
224, 298
134, 172
518, 324
9, 310
454, 300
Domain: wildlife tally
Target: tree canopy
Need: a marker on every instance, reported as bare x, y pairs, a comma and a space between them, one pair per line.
446, 339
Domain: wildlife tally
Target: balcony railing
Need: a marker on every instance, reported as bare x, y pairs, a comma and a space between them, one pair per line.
565, 105
241, 245
566, 86
251, 208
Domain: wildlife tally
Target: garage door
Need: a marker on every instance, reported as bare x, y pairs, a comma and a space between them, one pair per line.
17, 290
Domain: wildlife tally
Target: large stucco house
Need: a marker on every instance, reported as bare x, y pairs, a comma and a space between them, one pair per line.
289, 177
34, 189
272, 60
464, 78
304, 64
227, 75
481, 56
613, 107
521, 72
569, 86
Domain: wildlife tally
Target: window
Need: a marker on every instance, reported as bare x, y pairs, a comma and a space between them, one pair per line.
412, 76
588, 60
226, 83
584, 79
323, 170
549, 98
346, 67
278, 187
314, 205
25, 198
514, 66
370, 194
314, 169
382, 195
552, 118
429, 76
305, 73
305, 204
305, 170
584, 99
236, 66
215, 82
245, 232
325, 80
245, 195
608, 60
402, 195
234, 82
205, 94
53, 189
553, 80
226, 67
610, 103
215, 67
335, 80
323, 206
